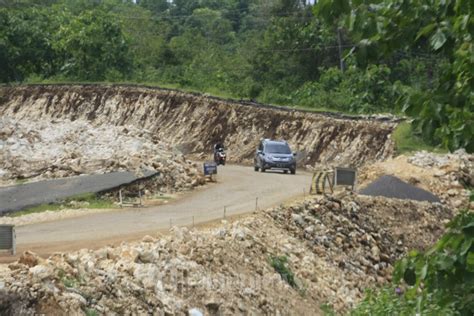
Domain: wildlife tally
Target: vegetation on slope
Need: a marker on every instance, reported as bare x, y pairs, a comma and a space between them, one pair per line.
439, 281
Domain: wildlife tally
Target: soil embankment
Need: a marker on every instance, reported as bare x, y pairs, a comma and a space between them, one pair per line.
192, 123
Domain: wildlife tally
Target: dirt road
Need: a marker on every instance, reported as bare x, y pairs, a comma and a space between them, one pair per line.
236, 190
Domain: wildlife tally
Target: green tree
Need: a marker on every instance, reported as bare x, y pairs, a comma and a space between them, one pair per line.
92, 45
25, 43
444, 29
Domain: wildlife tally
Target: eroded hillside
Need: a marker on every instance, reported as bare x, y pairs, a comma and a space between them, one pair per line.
192, 123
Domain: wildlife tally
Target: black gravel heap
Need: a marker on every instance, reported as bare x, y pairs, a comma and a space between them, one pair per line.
392, 187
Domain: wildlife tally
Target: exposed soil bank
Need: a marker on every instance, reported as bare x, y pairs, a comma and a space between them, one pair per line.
194, 122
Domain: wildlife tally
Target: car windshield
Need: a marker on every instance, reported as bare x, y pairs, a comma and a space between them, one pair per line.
277, 149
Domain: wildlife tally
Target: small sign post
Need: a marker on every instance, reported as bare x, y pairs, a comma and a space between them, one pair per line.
345, 176
210, 168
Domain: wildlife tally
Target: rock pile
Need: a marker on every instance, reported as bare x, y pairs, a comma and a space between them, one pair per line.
336, 248
457, 167
41, 149
223, 271
360, 238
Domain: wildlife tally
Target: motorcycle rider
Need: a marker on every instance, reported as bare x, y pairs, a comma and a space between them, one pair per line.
218, 148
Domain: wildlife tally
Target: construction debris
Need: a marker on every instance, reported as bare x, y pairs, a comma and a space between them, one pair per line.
44, 149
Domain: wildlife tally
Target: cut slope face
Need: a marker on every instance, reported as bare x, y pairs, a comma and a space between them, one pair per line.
193, 123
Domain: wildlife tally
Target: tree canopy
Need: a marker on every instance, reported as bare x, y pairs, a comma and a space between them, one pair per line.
414, 57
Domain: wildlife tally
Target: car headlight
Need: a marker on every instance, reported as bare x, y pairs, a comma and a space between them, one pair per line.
269, 158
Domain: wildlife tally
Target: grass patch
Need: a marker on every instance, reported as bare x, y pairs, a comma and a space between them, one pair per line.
91, 312
161, 196
37, 209
280, 264
69, 282
327, 309
406, 141
88, 200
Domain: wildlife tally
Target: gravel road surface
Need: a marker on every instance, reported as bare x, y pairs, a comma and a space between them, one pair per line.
18, 197
236, 189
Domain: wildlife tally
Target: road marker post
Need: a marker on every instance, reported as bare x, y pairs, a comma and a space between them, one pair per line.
256, 203
224, 211
140, 195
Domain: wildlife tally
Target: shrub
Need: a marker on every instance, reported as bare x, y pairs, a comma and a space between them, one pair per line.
279, 263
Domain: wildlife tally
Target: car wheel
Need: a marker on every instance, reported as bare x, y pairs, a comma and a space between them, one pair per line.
293, 171
285, 171
255, 168
262, 169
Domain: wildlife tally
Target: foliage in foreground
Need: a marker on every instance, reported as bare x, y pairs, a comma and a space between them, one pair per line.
439, 281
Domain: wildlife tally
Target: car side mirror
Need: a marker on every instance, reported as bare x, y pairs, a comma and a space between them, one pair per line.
294, 154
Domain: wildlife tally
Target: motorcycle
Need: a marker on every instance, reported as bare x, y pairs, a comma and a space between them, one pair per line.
220, 156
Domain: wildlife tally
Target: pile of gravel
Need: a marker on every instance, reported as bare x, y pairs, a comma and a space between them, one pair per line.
392, 187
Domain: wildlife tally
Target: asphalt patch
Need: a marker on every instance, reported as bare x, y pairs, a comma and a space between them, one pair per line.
393, 187
15, 198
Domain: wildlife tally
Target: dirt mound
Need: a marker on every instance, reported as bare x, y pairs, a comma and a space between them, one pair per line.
446, 175
335, 248
357, 239
392, 187
194, 123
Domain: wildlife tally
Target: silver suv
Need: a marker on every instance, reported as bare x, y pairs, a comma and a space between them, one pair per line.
273, 154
